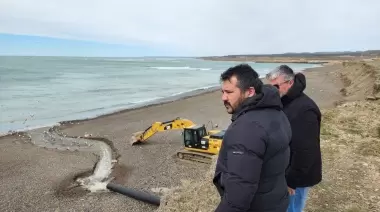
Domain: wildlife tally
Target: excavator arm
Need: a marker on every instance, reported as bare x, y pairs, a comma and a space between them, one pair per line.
178, 123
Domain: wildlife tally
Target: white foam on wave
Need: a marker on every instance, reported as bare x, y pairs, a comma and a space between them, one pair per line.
127, 60
64, 91
145, 100
193, 90
109, 110
179, 68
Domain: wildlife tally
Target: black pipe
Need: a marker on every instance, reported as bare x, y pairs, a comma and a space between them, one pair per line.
139, 195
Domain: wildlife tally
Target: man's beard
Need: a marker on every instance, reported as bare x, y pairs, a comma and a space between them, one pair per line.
233, 108
282, 94
228, 107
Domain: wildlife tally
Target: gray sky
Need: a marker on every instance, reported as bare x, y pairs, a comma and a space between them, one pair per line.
207, 27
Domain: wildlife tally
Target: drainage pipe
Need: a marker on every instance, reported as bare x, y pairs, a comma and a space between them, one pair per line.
139, 195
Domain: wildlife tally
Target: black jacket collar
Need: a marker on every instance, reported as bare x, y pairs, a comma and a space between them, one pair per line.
296, 90
268, 98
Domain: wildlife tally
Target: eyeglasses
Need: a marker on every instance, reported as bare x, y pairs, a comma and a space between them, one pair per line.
279, 84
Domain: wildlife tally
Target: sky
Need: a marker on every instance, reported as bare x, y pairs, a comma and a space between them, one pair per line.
186, 28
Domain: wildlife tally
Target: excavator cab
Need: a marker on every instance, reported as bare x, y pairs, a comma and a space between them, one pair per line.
200, 144
193, 137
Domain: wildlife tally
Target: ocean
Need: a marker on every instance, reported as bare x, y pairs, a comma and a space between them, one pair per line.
42, 91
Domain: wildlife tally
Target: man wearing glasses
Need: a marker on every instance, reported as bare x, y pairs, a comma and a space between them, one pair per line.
305, 167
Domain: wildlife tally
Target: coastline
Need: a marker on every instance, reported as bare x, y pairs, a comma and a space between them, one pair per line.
301, 57
143, 167
139, 106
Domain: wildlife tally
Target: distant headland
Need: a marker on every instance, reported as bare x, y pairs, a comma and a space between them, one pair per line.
302, 57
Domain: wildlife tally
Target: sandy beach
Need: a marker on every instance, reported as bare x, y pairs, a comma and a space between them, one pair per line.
37, 179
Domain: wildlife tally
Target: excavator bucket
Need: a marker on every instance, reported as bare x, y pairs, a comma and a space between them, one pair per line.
135, 139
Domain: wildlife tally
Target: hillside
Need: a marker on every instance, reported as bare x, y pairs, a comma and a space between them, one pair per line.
372, 53
302, 57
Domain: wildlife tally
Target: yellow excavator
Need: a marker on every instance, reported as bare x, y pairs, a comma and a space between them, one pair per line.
199, 144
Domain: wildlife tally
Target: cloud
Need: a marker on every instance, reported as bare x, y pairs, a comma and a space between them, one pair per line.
212, 27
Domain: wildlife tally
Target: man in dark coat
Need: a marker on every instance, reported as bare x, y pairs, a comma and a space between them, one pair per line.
250, 171
305, 168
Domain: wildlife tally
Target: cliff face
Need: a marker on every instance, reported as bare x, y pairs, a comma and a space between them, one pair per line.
361, 79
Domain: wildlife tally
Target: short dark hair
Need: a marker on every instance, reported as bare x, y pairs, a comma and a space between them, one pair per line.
246, 76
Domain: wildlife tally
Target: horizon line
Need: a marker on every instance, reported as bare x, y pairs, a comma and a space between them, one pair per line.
325, 53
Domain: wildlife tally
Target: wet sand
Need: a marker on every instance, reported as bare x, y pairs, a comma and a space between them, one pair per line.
36, 179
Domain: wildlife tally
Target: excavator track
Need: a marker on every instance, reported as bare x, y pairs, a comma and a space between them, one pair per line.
194, 156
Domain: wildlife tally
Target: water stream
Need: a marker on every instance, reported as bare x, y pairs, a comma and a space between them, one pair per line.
52, 139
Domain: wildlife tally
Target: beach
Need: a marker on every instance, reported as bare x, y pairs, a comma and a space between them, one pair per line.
37, 179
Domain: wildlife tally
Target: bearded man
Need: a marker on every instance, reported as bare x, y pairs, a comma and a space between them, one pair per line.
250, 171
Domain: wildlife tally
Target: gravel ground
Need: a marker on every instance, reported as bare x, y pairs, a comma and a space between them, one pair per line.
36, 179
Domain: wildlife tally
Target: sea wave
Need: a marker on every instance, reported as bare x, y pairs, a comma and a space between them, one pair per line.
65, 88
101, 90
114, 108
179, 68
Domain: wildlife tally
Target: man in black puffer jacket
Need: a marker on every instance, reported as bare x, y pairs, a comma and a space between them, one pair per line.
250, 171
305, 168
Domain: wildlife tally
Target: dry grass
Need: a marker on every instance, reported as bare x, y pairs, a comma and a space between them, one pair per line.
351, 166
351, 159
351, 146
192, 196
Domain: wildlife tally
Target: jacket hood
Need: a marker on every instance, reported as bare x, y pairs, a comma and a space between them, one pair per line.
297, 88
268, 98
